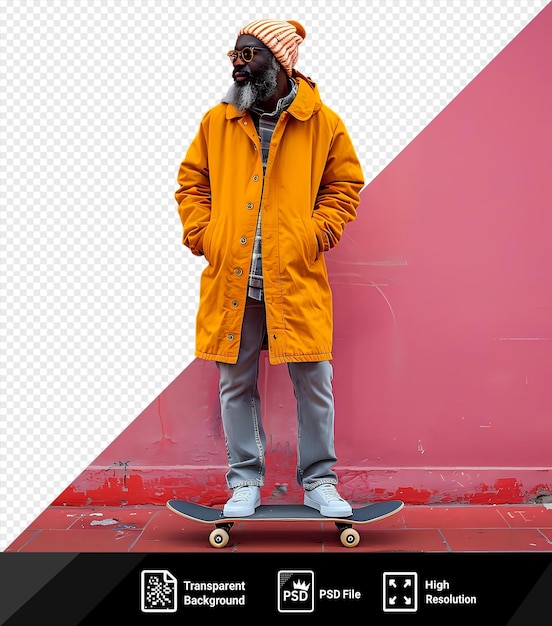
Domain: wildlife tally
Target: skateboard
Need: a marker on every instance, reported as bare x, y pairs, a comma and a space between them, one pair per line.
348, 535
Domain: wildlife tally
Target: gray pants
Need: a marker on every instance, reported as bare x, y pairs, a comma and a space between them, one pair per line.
241, 412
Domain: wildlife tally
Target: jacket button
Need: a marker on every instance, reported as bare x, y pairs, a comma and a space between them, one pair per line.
249, 206
243, 241
255, 178
230, 337
238, 271
235, 303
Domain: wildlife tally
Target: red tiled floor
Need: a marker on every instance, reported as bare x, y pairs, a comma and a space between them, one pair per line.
55, 518
455, 517
439, 528
526, 517
121, 518
406, 540
496, 540
20, 543
80, 541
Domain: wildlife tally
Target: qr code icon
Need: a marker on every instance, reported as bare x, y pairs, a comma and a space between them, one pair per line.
158, 591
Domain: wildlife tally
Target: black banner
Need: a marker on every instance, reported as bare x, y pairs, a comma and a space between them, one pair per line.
508, 589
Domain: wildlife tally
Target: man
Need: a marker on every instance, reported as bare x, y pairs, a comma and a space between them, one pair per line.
266, 189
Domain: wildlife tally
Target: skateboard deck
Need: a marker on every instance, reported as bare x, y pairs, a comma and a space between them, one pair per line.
220, 536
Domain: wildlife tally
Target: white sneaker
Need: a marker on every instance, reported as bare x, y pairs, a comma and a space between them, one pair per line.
243, 502
326, 500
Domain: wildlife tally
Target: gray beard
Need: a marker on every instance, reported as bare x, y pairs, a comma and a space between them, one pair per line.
254, 93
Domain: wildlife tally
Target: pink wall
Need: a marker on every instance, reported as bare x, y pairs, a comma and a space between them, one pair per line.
443, 333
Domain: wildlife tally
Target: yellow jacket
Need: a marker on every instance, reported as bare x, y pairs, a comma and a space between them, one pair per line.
309, 192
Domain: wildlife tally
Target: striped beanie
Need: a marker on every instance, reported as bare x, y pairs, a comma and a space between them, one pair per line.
280, 37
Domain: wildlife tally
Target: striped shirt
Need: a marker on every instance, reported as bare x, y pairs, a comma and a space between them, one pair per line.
266, 123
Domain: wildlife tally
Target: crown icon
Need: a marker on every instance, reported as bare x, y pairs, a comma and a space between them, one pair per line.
304, 586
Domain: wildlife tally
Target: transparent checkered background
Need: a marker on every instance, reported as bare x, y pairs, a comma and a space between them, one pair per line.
100, 100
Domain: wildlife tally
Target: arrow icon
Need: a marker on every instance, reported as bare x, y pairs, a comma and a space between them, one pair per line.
400, 592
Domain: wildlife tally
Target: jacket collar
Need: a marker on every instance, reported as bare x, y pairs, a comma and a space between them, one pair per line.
305, 104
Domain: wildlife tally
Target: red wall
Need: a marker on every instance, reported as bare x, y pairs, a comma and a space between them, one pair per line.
443, 325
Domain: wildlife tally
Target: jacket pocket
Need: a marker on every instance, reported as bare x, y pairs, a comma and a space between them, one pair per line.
312, 242
306, 240
207, 239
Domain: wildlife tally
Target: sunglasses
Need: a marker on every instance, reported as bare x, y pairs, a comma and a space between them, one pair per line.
245, 54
